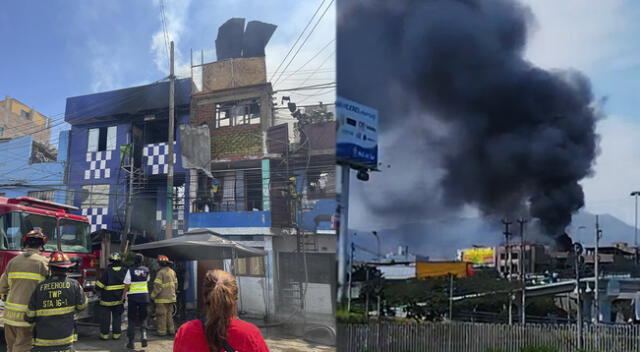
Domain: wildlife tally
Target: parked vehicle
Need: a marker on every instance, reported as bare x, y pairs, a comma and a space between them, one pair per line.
67, 232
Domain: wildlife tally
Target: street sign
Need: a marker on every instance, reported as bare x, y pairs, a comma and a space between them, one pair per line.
357, 137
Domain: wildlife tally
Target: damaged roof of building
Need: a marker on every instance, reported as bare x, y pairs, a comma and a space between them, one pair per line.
134, 100
234, 40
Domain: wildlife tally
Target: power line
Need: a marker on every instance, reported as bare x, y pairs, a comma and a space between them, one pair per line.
296, 42
311, 87
164, 28
312, 58
305, 40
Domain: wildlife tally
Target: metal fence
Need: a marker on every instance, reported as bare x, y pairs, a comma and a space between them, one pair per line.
482, 337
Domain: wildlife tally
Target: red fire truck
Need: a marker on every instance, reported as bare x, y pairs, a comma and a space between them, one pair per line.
67, 232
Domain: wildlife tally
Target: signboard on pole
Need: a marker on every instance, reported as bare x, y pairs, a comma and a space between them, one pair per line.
357, 137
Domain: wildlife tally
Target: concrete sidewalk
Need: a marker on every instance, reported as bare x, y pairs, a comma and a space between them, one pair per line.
88, 341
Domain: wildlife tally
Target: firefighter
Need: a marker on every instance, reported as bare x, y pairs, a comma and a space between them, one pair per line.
136, 290
53, 305
110, 287
164, 296
19, 280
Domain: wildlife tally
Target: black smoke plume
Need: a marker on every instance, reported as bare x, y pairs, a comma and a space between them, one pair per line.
519, 138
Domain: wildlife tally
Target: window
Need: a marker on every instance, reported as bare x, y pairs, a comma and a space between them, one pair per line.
42, 195
102, 138
234, 191
1, 131
94, 196
235, 113
251, 266
14, 225
75, 237
25, 114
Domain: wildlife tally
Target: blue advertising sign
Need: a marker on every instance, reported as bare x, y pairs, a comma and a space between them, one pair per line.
357, 136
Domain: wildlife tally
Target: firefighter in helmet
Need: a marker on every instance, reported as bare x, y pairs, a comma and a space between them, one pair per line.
52, 307
110, 287
164, 296
19, 280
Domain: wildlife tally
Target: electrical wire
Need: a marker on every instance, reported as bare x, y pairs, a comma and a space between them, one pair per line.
305, 41
164, 29
298, 39
310, 60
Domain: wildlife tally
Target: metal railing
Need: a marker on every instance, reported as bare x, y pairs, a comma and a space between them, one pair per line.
481, 337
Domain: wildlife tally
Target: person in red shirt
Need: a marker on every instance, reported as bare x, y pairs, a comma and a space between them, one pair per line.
221, 330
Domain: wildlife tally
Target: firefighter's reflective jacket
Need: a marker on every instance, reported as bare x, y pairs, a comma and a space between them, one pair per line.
19, 280
111, 285
52, 308
164, 286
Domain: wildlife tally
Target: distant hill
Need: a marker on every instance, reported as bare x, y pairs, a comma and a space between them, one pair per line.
440, 239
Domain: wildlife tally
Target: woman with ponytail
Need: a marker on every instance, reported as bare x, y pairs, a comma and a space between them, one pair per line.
220, 330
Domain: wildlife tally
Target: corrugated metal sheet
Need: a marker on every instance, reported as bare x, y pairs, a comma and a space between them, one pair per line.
233, 41
230, 39
278, 139
256, 37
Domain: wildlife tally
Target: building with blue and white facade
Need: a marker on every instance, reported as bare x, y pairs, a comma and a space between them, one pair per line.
119, 147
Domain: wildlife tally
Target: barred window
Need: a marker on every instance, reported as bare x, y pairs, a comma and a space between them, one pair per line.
235, 113
95, 196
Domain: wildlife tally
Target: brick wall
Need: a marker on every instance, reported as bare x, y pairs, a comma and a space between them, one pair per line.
236, 141
234, 73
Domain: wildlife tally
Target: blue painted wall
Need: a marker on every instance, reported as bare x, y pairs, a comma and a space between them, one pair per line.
82, 164
324, 207
16, 169
230, 219
321, 207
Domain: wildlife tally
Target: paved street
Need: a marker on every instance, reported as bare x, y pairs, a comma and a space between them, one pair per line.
88, 341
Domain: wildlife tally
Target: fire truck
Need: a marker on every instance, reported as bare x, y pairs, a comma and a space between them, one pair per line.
66, 231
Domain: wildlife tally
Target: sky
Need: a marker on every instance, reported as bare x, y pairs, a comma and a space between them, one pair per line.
60, 48
599, 39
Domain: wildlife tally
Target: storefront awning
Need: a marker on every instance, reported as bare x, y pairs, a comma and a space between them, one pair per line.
197, 244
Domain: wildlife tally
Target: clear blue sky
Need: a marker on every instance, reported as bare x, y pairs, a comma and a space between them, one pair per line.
56, 49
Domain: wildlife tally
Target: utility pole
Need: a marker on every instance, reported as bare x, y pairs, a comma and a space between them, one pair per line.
353, 248
450, 297
523, 281
577, 252
596, 262
635, 229
343, 231
507, 236
125, 237
172, 82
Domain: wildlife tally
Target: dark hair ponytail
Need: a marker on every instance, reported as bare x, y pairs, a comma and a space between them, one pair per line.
220, 296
